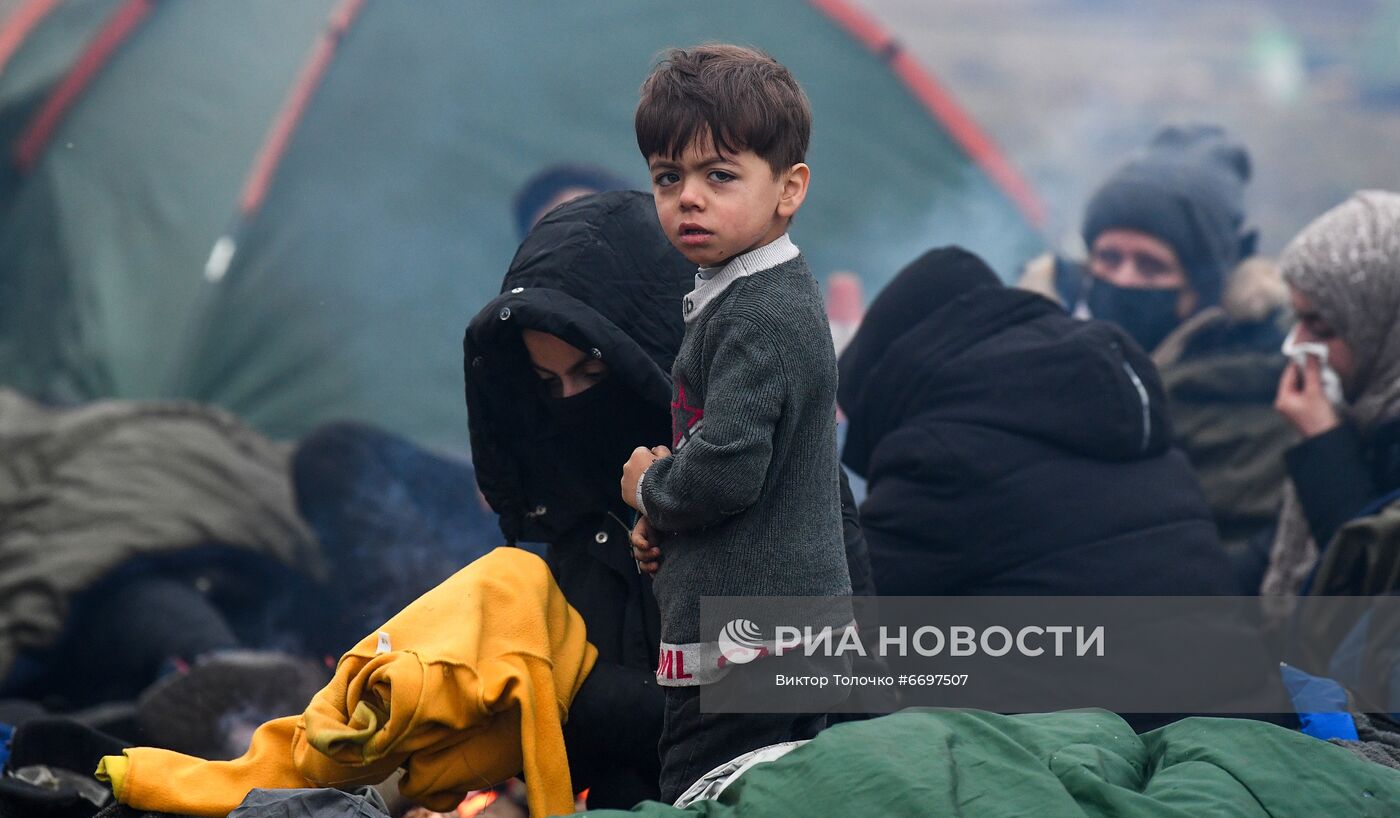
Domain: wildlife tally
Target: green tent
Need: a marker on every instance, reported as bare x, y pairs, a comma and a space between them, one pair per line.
292, 209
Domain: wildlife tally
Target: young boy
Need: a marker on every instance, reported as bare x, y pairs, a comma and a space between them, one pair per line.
749, 502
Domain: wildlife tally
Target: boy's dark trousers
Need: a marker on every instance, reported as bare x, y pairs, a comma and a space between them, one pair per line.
693, 743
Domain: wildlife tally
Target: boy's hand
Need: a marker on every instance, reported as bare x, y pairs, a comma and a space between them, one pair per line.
646, 546
632, 472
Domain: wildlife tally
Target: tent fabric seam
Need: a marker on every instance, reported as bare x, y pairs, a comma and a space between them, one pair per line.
94, 57
16, 28
284, 127
940, 104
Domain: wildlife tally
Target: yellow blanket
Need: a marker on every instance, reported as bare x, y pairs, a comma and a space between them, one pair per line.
465, 688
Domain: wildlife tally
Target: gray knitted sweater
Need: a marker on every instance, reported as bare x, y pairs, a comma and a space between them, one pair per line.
750, 498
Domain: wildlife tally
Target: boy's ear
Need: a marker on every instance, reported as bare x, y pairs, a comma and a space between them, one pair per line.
794, 190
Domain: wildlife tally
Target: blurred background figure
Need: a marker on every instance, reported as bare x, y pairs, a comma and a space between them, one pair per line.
556, 185
1170, 261
845, 306
1164, 231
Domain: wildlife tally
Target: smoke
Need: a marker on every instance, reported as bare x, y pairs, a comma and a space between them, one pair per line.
968, 212
236, 727
393, 520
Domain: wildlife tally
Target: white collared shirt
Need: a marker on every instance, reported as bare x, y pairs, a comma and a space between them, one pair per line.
711, 282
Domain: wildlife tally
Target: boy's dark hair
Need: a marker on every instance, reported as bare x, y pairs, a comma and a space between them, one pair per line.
743, 98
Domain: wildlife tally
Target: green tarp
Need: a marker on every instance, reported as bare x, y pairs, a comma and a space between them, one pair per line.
1083, 763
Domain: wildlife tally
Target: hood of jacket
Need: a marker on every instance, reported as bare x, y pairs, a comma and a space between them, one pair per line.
598, 273
1010, 361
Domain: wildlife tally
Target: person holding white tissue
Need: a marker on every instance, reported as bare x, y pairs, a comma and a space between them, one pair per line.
1341, 390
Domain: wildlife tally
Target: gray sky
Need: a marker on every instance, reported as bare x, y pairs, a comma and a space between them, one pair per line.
1069, 87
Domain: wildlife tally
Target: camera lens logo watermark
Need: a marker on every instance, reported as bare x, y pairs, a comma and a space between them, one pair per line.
741, 642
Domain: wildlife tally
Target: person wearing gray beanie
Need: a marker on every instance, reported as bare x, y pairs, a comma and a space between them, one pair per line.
1171, 262
1343, 274
1165, 229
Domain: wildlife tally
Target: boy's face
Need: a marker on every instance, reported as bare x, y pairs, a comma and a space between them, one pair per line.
714, 207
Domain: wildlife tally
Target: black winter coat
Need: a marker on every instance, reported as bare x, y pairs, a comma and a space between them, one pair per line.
599, 273
1342, 474
1011, 449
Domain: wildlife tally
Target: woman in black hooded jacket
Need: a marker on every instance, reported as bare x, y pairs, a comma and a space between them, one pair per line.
599, 275
1012, 450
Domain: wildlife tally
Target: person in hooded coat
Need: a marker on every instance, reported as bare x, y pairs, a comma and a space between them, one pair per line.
598, 275
1010, 449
